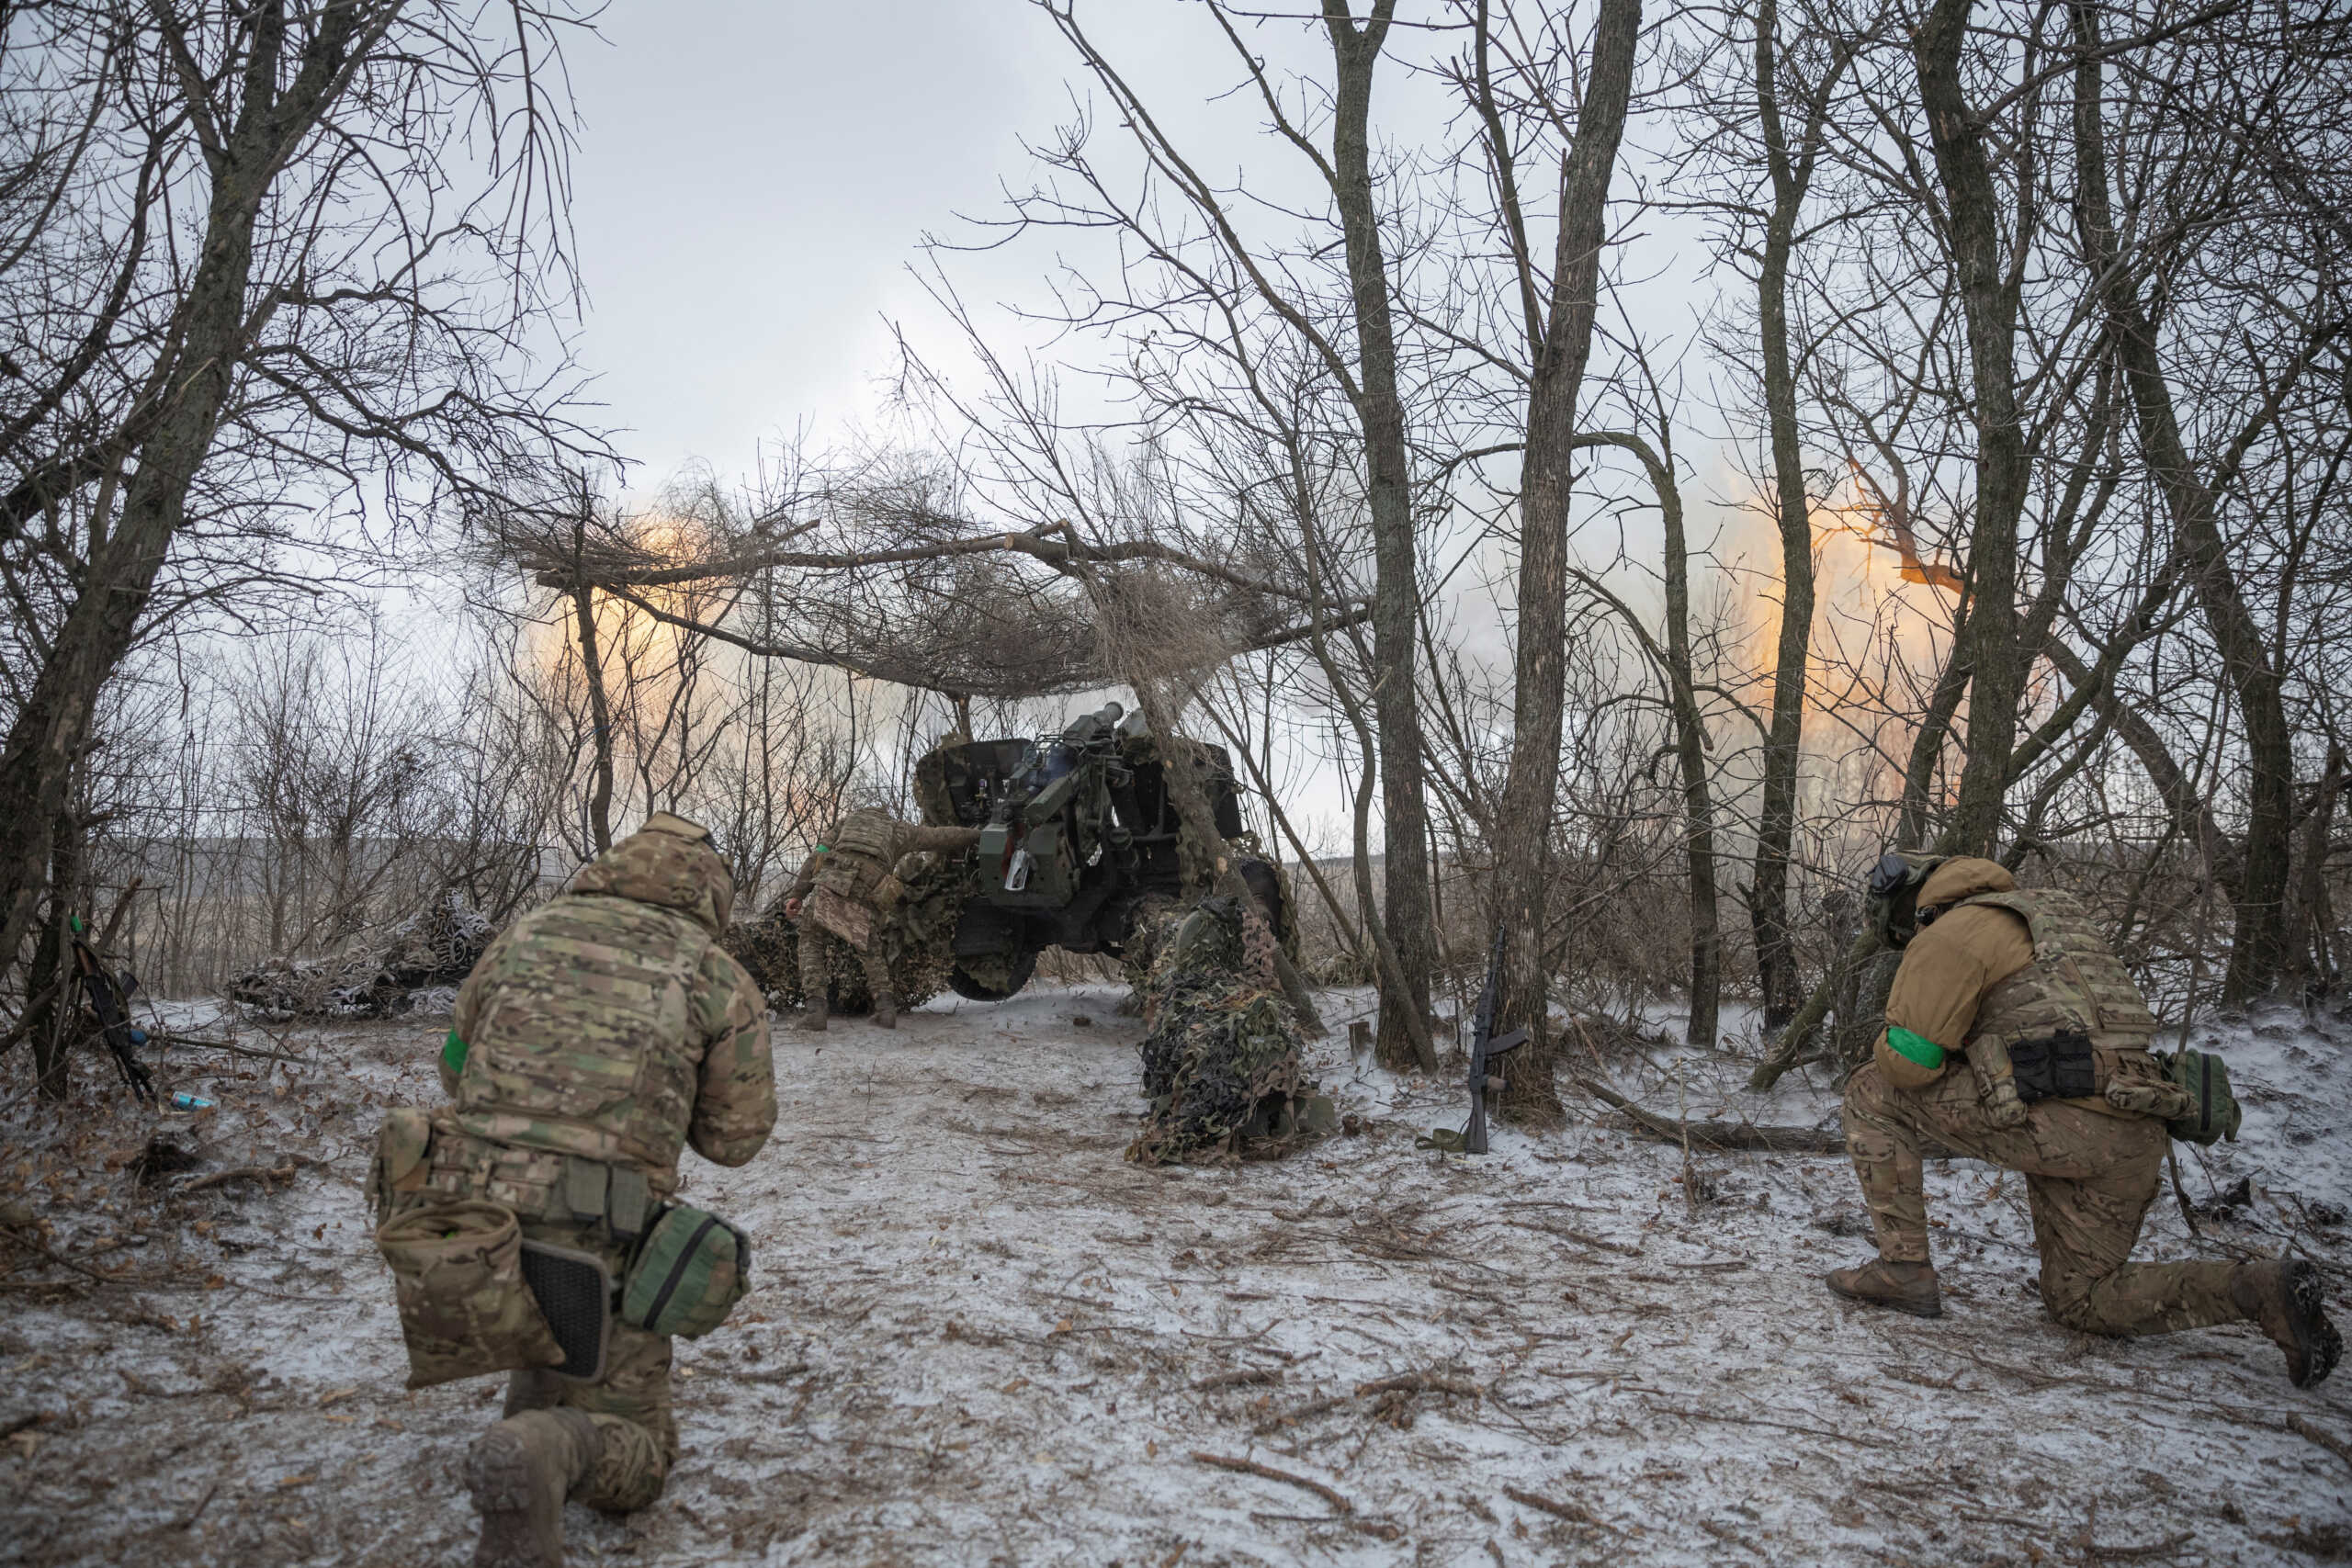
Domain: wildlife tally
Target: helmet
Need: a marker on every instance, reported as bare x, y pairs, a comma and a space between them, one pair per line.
1893, 903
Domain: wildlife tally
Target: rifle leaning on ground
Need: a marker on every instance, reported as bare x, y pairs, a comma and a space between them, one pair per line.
1484, 1049
105, 992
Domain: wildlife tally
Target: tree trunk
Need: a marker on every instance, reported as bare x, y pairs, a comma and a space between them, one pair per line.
1690, 749
1395, 696
600, 718
1989, 291
1523, 825
2308, 957
2257, 946
1689, 732
52, 727
1767, 901
52, 1026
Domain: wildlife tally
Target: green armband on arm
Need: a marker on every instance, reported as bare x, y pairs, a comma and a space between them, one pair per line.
1914, 1047
453, 1055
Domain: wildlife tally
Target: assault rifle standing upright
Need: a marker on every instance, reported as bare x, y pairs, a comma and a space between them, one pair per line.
105, 992
1485, 1048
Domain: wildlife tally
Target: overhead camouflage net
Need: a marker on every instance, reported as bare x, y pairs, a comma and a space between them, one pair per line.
1221, 1063
770, 946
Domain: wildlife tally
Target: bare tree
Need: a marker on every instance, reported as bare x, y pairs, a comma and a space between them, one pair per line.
242, 288
1557, 299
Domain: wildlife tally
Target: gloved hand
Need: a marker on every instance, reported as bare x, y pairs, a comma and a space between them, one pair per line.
2002, 1106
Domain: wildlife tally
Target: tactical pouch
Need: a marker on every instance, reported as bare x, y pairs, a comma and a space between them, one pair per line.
457, 1277
2061, 1067
686, 1277
574, 1292
2214, 1113
400, 1167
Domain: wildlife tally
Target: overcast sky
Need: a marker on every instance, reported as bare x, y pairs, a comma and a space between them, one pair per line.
753, 179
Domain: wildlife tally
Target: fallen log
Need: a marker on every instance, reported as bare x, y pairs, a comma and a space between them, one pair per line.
1717, 1135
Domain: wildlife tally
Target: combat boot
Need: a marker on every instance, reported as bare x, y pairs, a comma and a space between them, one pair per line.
2283, 1296
812, 1016
885, 1010
1906, 1287
520, 1471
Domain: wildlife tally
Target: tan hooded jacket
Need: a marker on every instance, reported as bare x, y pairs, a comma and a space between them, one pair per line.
609, 1023
1952, 961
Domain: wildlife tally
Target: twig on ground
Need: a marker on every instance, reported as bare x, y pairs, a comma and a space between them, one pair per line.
1575, 1513
1293, 1416
2326, 1439
1580, 1238
1833, 1437
240, 1173
201, 1504
169, 1039
1246, 1375
2154, 1549
1268, 1473
23, 1240
1419, 1383
1716, 1134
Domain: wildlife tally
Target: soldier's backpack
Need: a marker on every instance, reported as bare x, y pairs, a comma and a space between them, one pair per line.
2215, 1115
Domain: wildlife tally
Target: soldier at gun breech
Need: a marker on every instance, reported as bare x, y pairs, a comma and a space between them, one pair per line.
529, 1224
2059, 1084
849, 890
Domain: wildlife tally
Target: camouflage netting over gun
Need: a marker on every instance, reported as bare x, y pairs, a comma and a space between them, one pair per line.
770, 946
1221, 1063
381, 976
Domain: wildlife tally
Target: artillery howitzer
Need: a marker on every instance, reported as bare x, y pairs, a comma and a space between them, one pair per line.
1076, 831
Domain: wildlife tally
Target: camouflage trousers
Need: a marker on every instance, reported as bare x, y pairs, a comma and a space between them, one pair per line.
629, 1404
828, 917
2089, 1179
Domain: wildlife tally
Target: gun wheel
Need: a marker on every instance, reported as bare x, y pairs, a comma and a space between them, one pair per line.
1015, 972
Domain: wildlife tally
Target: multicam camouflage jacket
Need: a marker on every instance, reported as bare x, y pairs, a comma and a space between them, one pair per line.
865, 847
609, 1023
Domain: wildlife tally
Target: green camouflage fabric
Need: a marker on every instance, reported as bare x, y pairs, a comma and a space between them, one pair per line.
1221, 1061
2089, 1179
610, 1023
2075, 982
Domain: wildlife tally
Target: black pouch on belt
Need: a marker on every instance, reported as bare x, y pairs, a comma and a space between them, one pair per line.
2061, 1067
574, 1292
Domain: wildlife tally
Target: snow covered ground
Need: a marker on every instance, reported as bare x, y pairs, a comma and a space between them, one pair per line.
979, 1337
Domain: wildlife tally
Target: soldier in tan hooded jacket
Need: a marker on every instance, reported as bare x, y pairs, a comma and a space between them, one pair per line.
597, 1036
1985, 965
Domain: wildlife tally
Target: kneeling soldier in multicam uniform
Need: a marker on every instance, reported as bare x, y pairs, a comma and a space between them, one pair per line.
597, 1034
2020, 982
848, 890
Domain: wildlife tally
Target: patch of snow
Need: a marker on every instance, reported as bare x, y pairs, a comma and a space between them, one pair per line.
977, 1336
